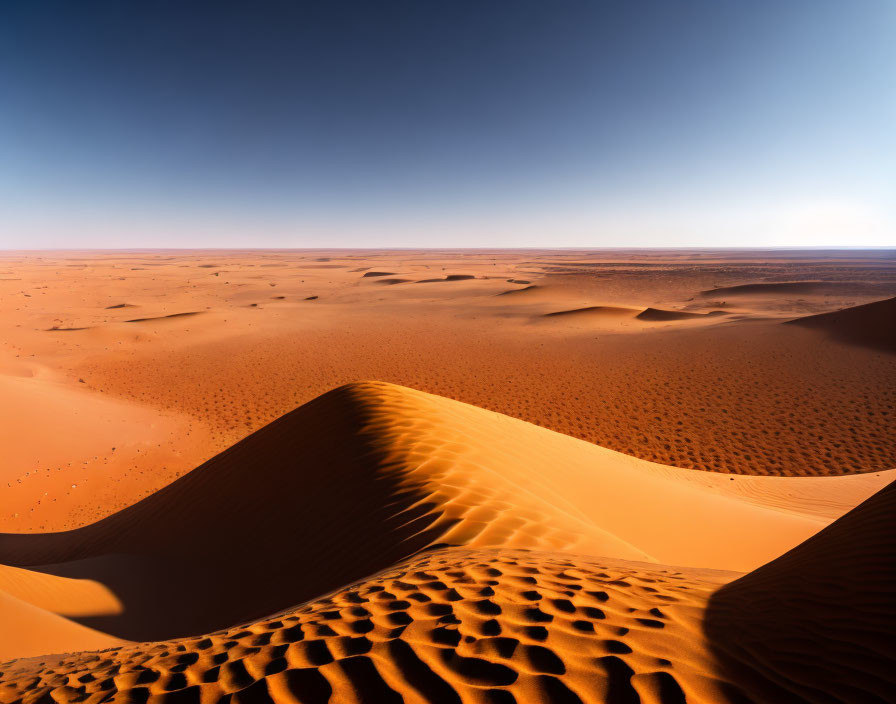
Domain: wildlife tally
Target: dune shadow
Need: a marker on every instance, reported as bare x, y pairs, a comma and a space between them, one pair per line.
871, 325
308, 503
817, 623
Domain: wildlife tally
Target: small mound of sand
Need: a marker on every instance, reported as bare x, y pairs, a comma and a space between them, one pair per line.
392, 282
660, 315
871, 325
163, 317
515, 291
120, 305
593, 312
450, 277
370, 274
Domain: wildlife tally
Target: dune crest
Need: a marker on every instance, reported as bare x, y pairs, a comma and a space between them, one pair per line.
594, 311
660, 315
870, 325
369, 474
817, 623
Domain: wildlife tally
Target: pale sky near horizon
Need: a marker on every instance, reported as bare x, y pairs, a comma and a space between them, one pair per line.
468, 124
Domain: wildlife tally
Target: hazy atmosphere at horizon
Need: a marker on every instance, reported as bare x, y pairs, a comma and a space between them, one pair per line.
403, 124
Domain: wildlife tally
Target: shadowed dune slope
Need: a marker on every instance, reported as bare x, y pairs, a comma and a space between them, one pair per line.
660, 315
370, 473
799, 288
870, 325
315, 487
817, 624
593, 311
449, 625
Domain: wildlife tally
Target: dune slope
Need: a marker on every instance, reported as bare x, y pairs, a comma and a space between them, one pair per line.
369, 474
816, 624
870, 325
441, 552
448, 625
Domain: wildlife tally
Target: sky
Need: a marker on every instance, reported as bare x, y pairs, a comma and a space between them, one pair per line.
608, 123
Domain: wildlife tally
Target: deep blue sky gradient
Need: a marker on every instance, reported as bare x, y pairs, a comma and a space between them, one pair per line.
126, 124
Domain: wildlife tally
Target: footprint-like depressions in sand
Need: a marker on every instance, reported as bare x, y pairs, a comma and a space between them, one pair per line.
449, 625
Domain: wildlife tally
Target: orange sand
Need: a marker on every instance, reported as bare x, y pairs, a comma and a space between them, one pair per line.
372, 474
635, 371
486, 558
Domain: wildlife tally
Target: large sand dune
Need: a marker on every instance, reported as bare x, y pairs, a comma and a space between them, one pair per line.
817, 623
371, 473
456, 624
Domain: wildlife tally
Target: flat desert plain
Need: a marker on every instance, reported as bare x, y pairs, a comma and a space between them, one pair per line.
448, 476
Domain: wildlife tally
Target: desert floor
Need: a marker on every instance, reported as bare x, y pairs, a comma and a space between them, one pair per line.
479, 476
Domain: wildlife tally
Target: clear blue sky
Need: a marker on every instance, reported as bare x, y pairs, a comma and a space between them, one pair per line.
419, 123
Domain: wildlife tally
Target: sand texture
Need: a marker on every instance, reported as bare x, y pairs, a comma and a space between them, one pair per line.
599, 477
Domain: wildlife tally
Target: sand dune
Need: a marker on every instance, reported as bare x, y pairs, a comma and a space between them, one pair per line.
527, 291
163, 317
61, 440
450, 277
29, 631
659, 315
794, 288
402, 470
817, 624
494, 624
594, 312
870, 325
450, 625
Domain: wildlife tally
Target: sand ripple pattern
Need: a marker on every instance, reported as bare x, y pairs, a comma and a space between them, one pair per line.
448, 625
